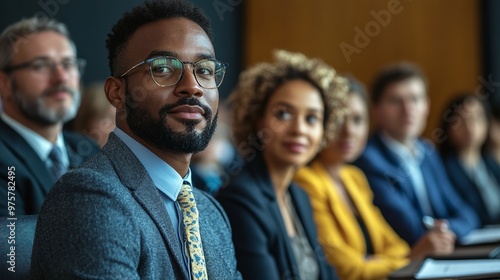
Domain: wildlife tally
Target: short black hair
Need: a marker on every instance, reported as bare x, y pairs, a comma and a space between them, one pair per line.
150, 11
393, 74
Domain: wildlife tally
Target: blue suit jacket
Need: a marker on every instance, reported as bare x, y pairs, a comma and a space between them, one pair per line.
394, 195
32, 178
262, 245
468, 189
106, 220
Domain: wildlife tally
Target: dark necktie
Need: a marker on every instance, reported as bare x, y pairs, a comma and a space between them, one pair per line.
192, 231
58, 168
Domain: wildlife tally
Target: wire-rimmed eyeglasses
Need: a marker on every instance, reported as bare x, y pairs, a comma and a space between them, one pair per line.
167, 71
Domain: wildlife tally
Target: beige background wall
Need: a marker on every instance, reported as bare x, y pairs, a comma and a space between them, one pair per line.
443, 37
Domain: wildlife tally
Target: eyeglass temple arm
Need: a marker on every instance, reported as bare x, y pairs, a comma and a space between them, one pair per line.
132, 68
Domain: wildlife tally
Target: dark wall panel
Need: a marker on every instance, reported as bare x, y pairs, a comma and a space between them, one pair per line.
491, 54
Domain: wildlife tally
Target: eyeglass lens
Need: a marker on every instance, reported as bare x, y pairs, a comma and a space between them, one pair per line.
167, 71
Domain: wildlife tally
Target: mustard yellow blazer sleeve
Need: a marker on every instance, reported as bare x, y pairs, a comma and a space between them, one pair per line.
339, 231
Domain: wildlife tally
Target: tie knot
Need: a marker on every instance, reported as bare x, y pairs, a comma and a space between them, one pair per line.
186, 186
186, 194
55, 154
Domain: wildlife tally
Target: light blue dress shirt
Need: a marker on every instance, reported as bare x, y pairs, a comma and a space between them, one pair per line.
411, 160
166, 180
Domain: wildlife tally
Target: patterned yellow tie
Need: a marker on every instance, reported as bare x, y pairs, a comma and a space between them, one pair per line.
192, 231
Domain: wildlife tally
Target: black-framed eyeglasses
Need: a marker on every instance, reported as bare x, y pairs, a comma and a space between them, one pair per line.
167, 71
46, 65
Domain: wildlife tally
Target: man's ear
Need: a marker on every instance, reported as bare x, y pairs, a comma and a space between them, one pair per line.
115, 93
5, 85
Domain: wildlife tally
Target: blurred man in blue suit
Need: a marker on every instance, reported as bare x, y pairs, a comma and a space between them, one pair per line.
408, 179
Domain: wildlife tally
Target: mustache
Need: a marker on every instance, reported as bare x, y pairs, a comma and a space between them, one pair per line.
187, 101
60, 88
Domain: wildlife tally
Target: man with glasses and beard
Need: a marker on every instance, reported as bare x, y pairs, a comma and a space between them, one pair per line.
131, 211
39, 88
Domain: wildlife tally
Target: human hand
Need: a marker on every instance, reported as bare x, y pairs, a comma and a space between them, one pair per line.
439, 240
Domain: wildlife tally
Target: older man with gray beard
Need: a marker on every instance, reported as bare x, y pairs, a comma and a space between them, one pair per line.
39, 89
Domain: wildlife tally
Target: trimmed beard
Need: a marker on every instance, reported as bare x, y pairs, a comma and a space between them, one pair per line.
161, 135
35, 109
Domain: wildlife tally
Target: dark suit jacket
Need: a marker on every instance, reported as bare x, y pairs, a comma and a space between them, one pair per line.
468, 189
394, 195
106, 220
32, 178
263, 249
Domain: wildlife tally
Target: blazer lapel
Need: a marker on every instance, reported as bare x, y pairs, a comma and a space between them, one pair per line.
459, 174
135, 177
300, 208
259, 170
147, 196
464, 185
27, 155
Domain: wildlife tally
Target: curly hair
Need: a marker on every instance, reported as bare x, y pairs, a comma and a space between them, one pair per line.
258, 83
148, 12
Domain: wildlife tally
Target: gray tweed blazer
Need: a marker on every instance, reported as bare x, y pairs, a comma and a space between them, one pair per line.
106, 220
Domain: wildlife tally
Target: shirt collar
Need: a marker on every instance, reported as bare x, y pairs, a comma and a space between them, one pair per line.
40, 145
402, 151
165, 178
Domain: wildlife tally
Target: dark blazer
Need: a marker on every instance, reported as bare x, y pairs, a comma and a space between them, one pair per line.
106, 220
394, 195
263, 249
32, 178
468, 189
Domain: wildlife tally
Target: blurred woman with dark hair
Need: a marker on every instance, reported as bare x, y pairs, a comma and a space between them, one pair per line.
474, 174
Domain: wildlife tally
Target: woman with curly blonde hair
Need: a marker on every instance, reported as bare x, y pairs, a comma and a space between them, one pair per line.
283, 114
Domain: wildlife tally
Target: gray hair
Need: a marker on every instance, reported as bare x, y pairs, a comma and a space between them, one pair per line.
23, 29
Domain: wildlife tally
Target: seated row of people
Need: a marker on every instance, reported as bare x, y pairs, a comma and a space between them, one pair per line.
296, 208
357, 239
404, 209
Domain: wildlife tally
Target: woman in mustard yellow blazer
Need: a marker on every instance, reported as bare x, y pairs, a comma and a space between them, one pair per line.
356, 238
